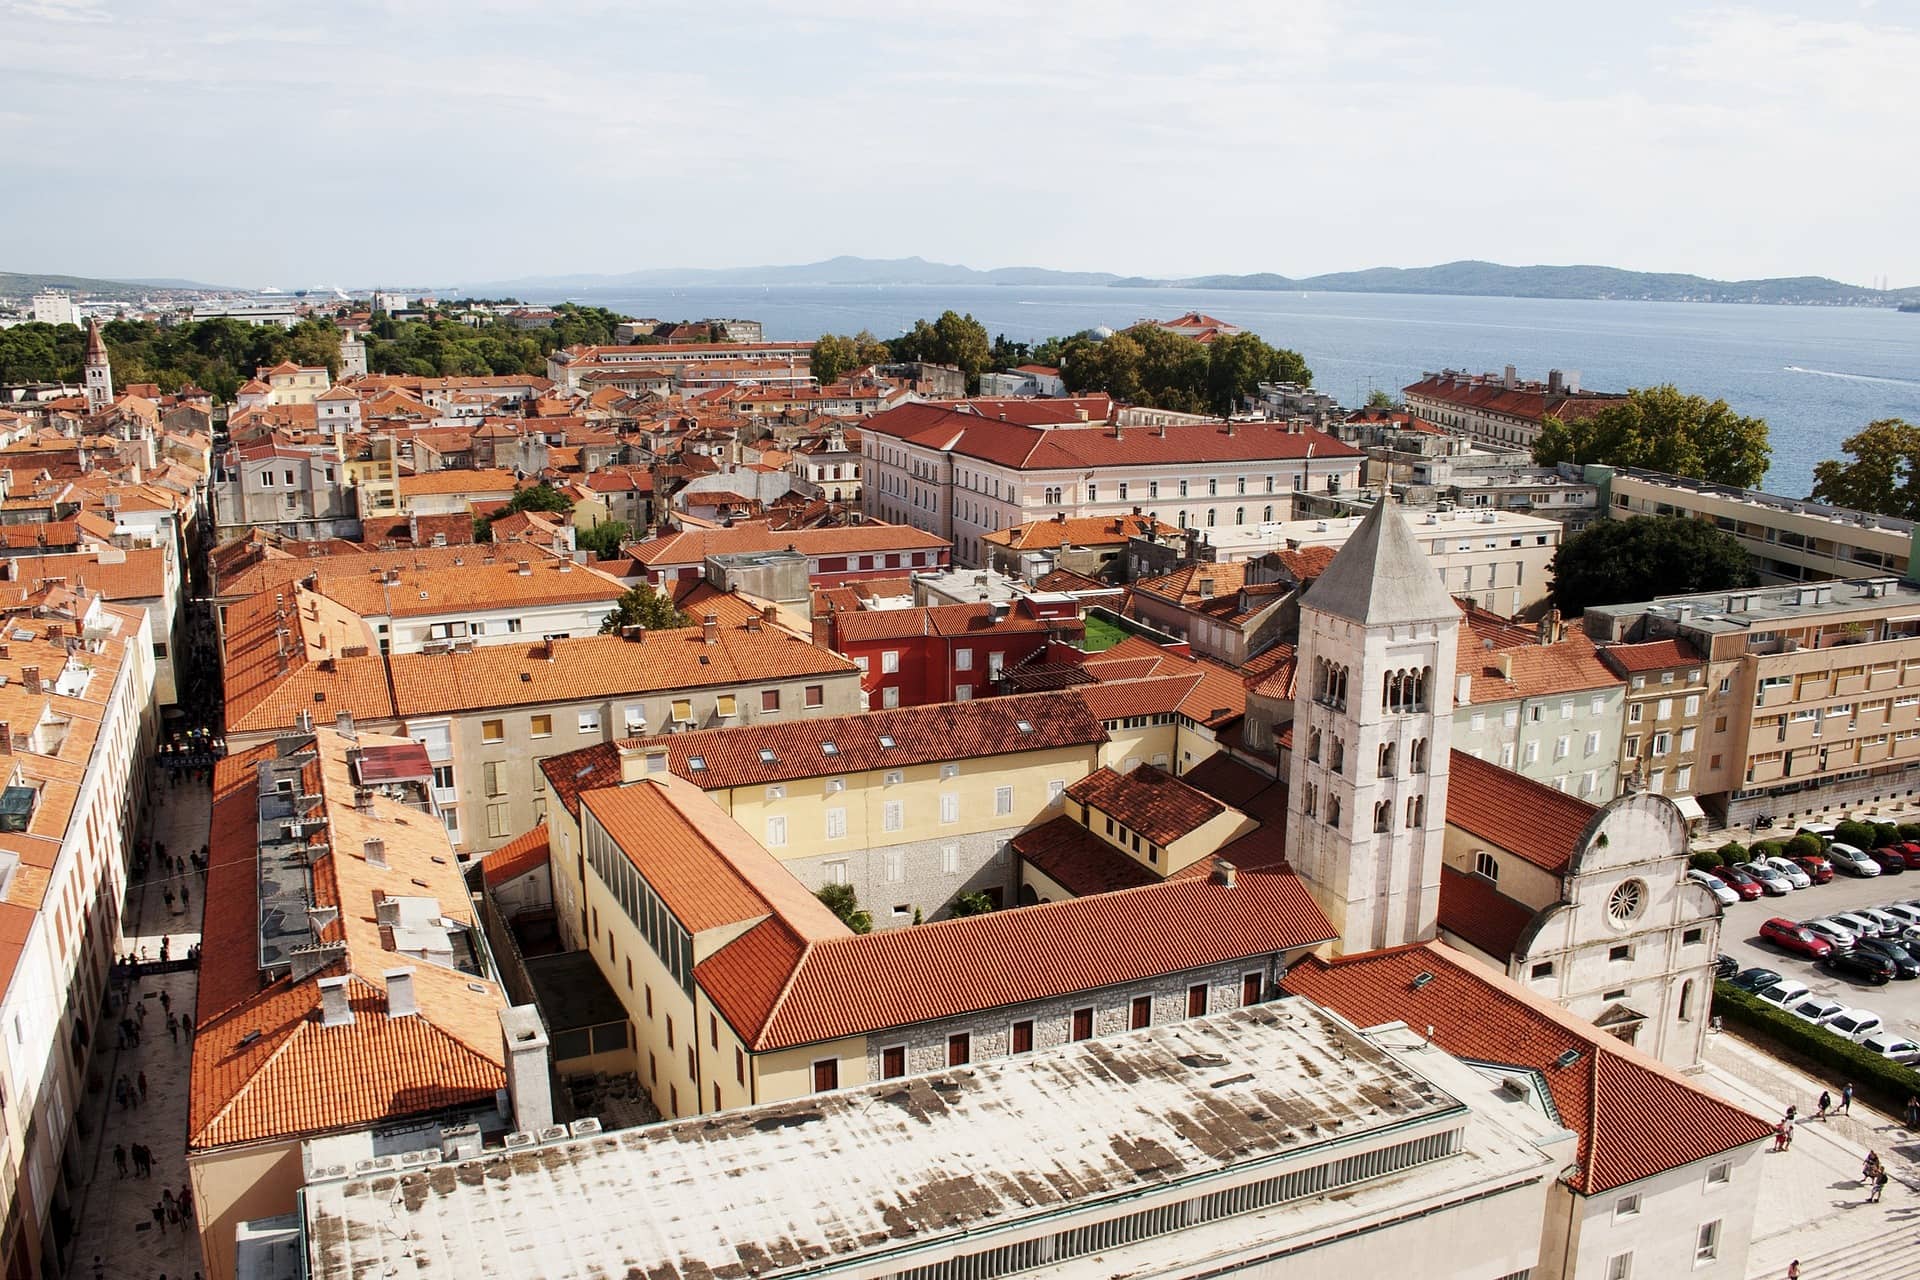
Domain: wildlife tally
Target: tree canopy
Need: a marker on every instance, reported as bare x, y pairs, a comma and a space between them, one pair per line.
1618, 561
840, 900
215, 355
1378, 399
645, 607
1148, 365
1883, 476
953, 339
442, 346
835, 355
603, 539
1662, 429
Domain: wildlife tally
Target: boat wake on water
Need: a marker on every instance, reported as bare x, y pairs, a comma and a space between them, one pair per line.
1853, 377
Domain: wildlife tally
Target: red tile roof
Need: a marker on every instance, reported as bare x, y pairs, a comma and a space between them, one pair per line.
1635, 1116
1149, 800
875, 981
1652, 655
1517, 814
1011, 444
732, 757
1084, 531
1079, 861
516, 857
1472, 908
978, 618
695, 545
1570, 665
1529, 401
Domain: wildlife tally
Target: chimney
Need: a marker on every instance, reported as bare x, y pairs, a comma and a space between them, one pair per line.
1505, 663
523, 567
633, 631
710, 628
343, 723
1206, 588
400, 1001
529, 1088
303, 721
1463, 695
335, 1011
1116, 432
1223, 872
6, 738
633, 762
386, 911
374, 849
30, 677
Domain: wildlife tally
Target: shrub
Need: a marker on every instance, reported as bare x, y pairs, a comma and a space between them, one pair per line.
1804, 846
841, 901
1909, 830
1885, 1083
1857, 834
971, 904
1773, 849
1733, 851
1884, 833
1708, 859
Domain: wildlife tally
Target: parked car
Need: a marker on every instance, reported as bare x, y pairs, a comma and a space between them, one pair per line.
1739, 881
1795, 873
1775, 884
1856, 963
1909, 850
1893, 1047
1786, 993
1817, 867
1817, 1009
1891, 861
1854, 1024
1850, 860
1725, 966
1905, 912
1904, 965
1790, 935
1722, 891
1833, 931
1821, 831
1754, 979
1890, 925
1862, 926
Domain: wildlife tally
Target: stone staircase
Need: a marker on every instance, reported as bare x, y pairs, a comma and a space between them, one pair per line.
1892, 1255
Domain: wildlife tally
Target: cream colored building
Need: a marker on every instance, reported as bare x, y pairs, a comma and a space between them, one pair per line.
1812, 693
291, 383
1790, 539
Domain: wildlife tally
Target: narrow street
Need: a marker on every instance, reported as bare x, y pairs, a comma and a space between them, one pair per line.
118, 1237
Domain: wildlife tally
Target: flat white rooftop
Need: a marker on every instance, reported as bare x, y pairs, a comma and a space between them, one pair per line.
888, 1175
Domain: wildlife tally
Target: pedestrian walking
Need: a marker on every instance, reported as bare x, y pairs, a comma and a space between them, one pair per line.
1913, 1112
1780, 1136
168, 895
1787, 1124
166, 1198
186, 1201
173, 1215
143, 1091
141, 1008
1846, 1099
1871, 1167
160, 1217
185, 895
1793, 1270
120, 1159
173, 1029
99, 1268
1879, 1185
166, 1001
1826, 1103
165, 945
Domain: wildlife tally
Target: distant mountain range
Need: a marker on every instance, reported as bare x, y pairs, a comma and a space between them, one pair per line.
17, 285
1472, 279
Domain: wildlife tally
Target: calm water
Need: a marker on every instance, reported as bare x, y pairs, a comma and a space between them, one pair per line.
1816, 374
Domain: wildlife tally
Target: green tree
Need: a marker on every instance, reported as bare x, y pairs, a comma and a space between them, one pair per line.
539, 497
1616, 561
1148, 365
952, 339
841, 901
604, 539
644, 607
1378, 399
1662, 429
833, 357
1007, 355
1884, 475
971, 904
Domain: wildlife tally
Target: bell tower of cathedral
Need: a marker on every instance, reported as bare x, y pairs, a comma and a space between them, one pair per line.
99, 369
1373, 714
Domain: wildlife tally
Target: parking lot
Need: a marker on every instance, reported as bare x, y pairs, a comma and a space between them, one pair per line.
1898, 1002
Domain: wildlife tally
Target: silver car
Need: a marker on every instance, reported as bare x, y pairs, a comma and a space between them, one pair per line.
1795, 873
1818, 1010
1832, 930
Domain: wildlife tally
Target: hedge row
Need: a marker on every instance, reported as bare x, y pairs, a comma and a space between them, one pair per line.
1733, 851
1886, 1084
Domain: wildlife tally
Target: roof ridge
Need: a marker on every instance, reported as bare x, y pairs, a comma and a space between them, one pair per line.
786, 985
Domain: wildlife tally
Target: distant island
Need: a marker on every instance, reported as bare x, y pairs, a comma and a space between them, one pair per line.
1468, 279
1460, 279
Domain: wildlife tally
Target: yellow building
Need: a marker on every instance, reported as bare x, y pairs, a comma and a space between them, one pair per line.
291, 383
742, 987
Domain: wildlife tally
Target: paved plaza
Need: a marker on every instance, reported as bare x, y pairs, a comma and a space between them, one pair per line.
115, 1213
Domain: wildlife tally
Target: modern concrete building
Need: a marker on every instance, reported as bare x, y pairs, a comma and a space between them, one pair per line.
1790, 539
1811, 697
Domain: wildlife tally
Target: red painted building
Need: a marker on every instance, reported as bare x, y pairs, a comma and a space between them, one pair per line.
946, 653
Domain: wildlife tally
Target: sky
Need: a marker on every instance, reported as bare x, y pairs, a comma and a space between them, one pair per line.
437, 142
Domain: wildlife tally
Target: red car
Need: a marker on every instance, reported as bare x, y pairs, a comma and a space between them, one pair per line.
1909, 850
1789, 935
1818, 869
1740, 882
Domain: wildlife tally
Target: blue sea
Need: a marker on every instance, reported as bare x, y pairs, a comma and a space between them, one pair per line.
1816, 374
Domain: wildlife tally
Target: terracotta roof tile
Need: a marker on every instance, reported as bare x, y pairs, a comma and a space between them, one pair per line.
1471, 907
1085, 531
1079, 861
1514, 813
1149, 800
517, 857
1652, 655
1635, 1116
